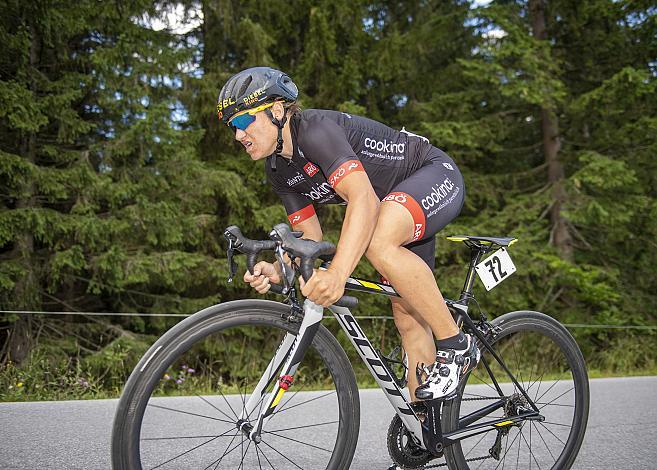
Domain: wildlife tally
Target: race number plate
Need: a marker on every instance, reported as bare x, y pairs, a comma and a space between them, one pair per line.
495, 268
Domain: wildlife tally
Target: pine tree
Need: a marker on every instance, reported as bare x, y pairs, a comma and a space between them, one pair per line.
106, 206
544, 75
42, 164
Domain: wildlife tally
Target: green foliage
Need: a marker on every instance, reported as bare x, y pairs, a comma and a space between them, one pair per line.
116, 179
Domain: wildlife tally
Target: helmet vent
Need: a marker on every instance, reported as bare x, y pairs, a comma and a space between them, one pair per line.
245, 85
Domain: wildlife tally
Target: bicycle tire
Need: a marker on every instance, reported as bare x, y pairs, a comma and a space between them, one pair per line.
547, 330
127, 427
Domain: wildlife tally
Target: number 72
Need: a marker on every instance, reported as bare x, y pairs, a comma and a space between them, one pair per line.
490, 264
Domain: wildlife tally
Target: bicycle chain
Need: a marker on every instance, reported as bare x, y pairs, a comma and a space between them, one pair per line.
479, 399
475, 459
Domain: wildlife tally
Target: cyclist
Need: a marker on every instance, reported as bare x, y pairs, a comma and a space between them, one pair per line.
399, 191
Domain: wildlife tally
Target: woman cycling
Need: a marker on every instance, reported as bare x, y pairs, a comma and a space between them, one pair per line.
399, 190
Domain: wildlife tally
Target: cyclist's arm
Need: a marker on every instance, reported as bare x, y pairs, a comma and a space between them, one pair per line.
326, 142
359, 223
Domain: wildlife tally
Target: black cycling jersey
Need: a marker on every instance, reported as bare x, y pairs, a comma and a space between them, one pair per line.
328, 145
401, 166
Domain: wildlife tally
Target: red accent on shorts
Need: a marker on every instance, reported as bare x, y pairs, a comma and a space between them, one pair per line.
301, 215
343, 170
310, 169
385, 281
414, 208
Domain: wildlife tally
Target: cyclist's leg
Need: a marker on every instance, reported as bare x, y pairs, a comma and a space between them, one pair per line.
414, 211
406, 271
416, 339
416, 334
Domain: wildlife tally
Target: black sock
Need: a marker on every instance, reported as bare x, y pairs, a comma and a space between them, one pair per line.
453, 342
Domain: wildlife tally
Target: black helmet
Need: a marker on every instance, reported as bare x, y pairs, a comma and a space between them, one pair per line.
253, 87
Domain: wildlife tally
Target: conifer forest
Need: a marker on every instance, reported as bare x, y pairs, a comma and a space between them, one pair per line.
117, 179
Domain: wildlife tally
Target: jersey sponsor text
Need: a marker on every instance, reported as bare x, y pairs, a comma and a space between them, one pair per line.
298, 178
437, 194
320, 192
384, 146
343, 170
310, 169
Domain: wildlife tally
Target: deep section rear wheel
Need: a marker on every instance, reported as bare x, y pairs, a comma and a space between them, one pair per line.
547, 362
180, 406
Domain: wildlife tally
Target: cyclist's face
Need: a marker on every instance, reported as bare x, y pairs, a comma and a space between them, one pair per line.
259, 138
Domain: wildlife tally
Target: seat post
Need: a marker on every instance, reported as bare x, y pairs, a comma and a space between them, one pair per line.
476, 252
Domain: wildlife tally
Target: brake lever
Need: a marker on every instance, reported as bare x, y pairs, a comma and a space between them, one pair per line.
231, 260
288, 270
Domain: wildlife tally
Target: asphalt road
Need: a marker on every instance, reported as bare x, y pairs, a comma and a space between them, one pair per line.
622, 430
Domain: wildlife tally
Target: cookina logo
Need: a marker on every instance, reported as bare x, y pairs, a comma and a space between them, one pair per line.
437, 194
310, 169
319, 192
296, 218
385, 146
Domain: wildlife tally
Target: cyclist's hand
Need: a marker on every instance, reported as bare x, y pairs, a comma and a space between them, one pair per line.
264, 274
324, 288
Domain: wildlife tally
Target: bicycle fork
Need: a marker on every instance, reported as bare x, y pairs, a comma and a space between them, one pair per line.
290, 353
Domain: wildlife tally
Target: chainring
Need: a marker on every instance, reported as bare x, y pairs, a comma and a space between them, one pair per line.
402, 449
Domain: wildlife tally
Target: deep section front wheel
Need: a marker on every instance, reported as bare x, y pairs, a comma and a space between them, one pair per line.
181, 405
548, 364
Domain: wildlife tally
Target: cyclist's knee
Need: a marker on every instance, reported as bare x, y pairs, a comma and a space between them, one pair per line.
375, 251
393, 230
380, 245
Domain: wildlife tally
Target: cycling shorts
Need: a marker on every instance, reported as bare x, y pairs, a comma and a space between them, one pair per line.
434, 196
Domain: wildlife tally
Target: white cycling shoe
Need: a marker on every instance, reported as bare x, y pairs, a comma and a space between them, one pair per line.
441, 379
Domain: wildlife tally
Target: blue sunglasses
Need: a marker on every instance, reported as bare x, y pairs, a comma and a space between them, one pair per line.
241, 122
245, 119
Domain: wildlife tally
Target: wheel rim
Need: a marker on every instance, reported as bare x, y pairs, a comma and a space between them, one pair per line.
198, 430
545, 371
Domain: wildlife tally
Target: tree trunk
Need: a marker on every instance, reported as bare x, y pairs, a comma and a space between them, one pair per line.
560, 236
26, 290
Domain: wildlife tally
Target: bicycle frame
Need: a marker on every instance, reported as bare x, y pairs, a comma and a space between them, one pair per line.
428, 434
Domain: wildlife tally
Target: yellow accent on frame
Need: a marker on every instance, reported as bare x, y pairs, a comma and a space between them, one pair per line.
371, 285
279, 395
456, 239
503, 423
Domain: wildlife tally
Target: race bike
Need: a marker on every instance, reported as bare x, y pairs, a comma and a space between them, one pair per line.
277, 389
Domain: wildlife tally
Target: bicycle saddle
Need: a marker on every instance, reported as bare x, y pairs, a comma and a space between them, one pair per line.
501, 241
